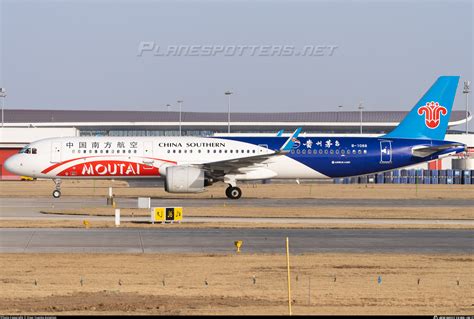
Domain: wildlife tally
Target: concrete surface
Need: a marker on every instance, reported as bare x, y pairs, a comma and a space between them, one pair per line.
131, 240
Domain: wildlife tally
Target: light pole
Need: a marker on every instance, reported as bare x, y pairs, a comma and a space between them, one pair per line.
466, 91
168, 107
339, 109
361, 108
228, 93
3, 94
180, 102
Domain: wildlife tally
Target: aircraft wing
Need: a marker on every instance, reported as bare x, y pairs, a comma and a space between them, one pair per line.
425, 151
228, 165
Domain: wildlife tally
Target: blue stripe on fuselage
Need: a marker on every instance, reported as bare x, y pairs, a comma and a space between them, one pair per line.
350, 156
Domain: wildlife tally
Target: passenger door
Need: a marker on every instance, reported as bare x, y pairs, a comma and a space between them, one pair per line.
385, 152
55, 152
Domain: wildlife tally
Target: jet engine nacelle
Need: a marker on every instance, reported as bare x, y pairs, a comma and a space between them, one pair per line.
184, 179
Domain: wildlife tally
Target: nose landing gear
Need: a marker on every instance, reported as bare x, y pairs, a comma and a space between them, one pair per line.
57, 191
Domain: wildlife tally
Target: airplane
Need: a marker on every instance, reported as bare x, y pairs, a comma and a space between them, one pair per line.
190, 164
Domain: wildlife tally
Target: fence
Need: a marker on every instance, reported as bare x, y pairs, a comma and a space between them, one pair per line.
413, 176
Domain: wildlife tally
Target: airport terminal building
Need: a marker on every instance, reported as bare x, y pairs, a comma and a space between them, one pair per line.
25, 126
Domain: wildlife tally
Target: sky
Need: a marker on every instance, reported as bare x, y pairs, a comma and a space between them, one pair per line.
98, 55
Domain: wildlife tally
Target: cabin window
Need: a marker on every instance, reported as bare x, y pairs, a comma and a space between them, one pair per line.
303, 152
331, 151
325, 151
359, 152
298, 151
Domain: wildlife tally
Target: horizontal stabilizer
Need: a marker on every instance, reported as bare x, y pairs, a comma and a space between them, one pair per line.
425, 151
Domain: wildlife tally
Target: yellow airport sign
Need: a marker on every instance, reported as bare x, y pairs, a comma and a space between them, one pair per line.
178, 214
158, 214
166, 214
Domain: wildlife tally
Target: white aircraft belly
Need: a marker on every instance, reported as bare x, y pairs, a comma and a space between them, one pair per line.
286, 167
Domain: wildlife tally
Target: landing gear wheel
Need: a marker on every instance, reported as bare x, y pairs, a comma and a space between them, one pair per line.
233, 192
56, 194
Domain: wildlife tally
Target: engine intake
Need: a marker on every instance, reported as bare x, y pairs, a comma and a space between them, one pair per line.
184, 179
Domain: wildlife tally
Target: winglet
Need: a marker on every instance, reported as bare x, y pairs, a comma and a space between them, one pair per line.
290, 141
280, 133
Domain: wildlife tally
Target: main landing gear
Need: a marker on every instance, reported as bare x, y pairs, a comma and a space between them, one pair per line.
233, 192
57, 191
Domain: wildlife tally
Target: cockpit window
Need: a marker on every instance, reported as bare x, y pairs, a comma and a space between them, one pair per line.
28, 150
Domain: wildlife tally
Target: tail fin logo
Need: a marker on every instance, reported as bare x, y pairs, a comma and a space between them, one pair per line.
432, 111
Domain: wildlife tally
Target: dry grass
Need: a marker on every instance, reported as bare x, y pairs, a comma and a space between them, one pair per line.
176, 284
224, 225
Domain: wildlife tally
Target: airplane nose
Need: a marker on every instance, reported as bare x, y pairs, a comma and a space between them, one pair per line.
11, 165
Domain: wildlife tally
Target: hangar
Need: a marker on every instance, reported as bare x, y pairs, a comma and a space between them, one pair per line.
23, 126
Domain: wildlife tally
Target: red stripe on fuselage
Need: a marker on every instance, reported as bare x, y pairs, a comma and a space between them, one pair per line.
110, 168
45, 171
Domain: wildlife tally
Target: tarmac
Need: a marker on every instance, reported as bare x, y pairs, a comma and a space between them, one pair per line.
140, 240
133, 240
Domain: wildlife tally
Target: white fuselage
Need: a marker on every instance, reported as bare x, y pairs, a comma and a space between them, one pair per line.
146, 157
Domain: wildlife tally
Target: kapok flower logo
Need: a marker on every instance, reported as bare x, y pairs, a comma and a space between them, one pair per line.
432, 111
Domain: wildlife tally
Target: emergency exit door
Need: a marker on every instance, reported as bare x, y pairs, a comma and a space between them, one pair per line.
148, 152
